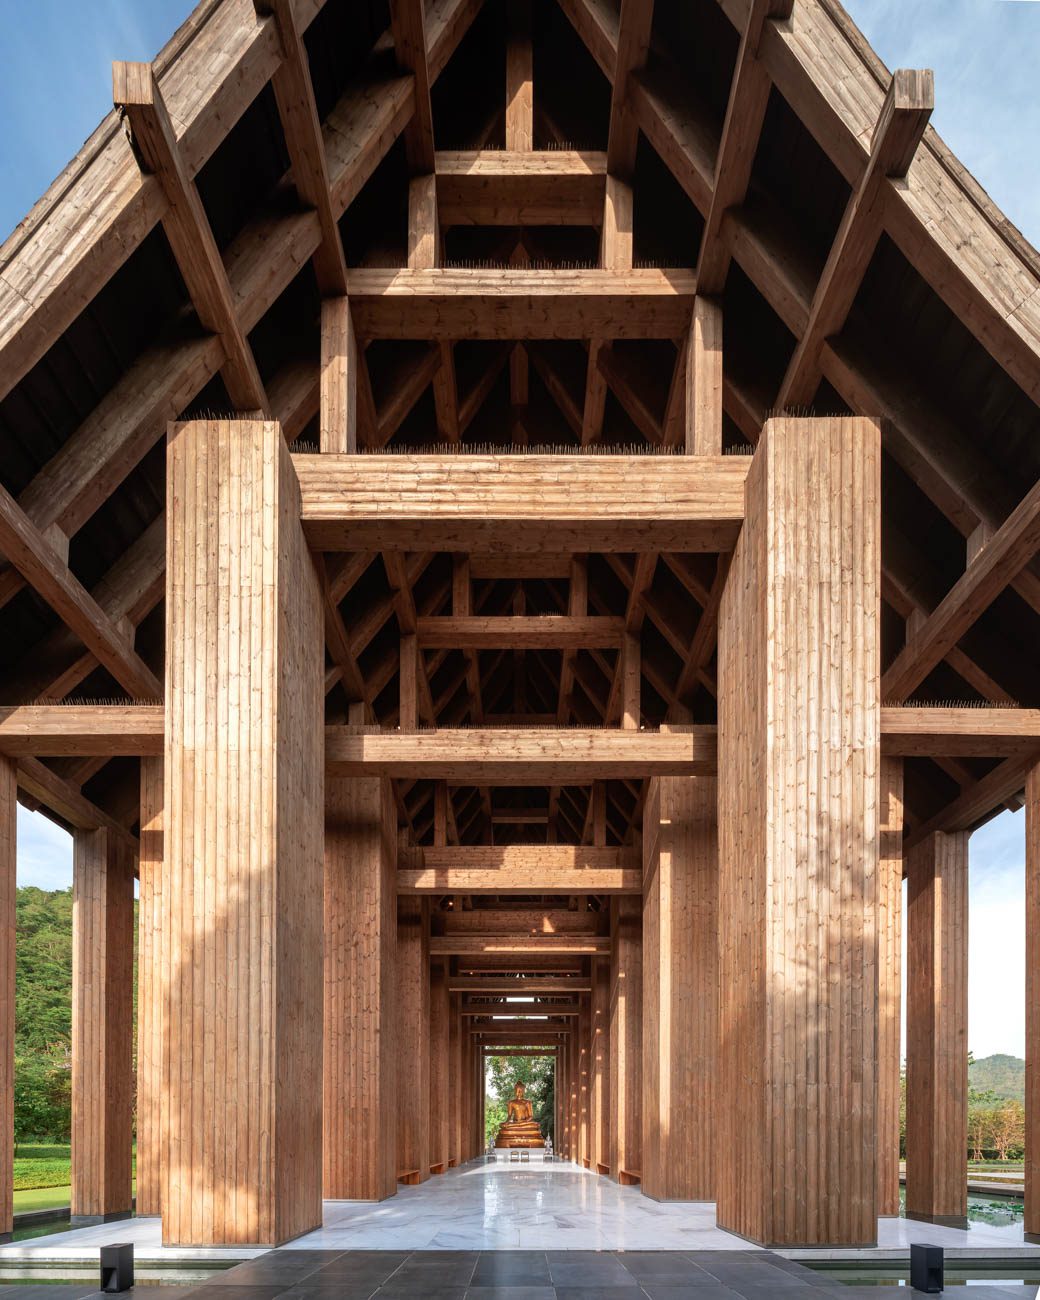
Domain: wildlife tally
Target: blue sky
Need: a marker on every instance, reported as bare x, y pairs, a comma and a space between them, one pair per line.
57, 85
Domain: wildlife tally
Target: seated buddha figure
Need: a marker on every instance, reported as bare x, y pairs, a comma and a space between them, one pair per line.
521, 1129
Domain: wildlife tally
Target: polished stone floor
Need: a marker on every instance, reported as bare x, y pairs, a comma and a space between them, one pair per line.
482, 1207
519, 1275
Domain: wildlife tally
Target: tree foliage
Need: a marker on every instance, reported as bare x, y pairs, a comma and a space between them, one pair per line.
536, 1073
43, 1015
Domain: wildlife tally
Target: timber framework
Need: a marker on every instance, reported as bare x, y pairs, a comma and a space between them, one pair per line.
519, 525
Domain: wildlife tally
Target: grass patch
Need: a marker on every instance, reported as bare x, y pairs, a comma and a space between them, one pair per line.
41, 1198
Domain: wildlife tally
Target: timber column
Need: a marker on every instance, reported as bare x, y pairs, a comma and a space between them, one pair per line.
599, 1068
680, 988
102, 1025
626, 1038
8, 895
360, 1155
244, 816
890, 960
150, 993
799, 724
440, 1067
413, 1039
937, 1029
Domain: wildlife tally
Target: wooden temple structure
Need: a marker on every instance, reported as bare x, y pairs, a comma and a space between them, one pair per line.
518, 525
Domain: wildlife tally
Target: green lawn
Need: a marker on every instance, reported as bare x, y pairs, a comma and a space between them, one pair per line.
41, 1198
42, 1176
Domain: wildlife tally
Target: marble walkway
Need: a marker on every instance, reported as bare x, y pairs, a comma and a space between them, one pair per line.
498, 1206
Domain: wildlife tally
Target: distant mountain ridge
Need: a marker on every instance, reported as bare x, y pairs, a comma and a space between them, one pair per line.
1003, 1075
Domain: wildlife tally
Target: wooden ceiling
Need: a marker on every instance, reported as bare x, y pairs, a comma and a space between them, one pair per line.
178, 266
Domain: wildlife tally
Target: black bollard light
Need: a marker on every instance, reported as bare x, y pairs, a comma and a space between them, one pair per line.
117, 1267
926, 1269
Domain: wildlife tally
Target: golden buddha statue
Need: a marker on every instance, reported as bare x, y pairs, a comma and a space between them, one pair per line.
521, 1129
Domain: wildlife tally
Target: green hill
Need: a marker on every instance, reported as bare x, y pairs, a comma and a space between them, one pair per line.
1003, 1075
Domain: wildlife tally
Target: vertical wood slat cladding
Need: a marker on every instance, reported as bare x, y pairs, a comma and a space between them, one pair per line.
150, 992
413, 1038
890, 958
937, 1027
626, 1040
798, 841
244, 815
360, 1151
102, 1025
8, 886
680, 988
439, 1062
584, 1073
454, 1078
599, 1067
1031, 1220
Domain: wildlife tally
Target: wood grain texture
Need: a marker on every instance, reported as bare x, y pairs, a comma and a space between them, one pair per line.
360, 1150
525, 504
680, 989
937, 1028
1031, 1220
8, 895
244, 828
798, 841
440, 1140
150, 991
890, 997
412, 1039
102, 1026
626, 1039
599, 1067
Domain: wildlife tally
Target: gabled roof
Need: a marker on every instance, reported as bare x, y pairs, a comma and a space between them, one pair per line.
747, 129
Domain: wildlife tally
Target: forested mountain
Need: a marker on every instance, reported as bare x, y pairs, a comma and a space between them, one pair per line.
1004, 1076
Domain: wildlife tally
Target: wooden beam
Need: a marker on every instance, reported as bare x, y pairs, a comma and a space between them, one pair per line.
900, 127
47, 572
500, 187
538, 880
408, 24
519, 757
337, 420
520, 304
471, 1010
536, 632
615, 254
519, 77
61, 730
519, 985
633, 42
298, 113
959, 732
136, 92
703, 372
522, 503
745, 113
1010, 548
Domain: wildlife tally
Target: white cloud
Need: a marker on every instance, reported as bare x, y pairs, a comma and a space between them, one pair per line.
44, 852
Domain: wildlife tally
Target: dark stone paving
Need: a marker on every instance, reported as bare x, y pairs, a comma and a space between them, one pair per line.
515, 1275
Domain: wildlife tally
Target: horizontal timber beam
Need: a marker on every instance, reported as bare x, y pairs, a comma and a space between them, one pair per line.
506, 756
545, 880
522, 504
82, 730
520, 304
542, 632
519, 986
516, 1008
959, 733
467, 945
503, 187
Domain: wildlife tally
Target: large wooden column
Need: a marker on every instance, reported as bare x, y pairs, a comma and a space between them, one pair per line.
937, 1029
244, 816
890, 961
8, 886
1031, 1221
150, 992
626, 1039
360, 1093
680, 988
599, 1068
412, 1039
102, 1025
584, 1079
455, 1156
439, 1066
799, 720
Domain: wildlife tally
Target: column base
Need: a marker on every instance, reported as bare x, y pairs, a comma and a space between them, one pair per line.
91, 1220
940, 1220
